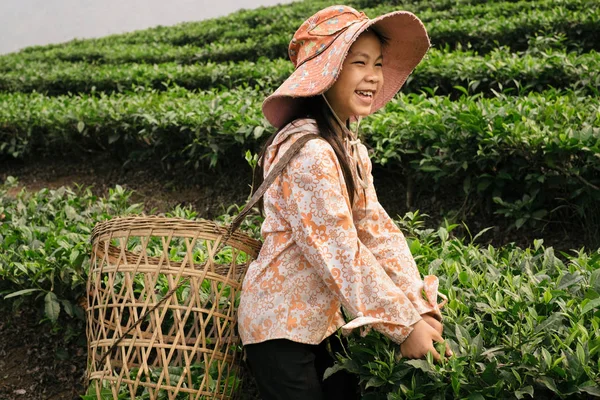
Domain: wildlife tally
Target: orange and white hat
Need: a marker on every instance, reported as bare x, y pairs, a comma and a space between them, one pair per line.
320, 45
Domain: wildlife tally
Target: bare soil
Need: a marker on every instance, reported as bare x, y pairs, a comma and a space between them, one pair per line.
36, 363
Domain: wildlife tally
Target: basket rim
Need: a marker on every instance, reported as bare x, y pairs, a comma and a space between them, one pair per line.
179, 227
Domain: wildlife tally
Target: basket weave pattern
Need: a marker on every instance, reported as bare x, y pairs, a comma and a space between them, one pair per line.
187, 347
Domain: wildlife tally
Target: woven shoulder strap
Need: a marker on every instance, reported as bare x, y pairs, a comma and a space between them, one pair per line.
273, 174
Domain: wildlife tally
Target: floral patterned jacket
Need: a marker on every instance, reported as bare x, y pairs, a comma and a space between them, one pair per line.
321, 253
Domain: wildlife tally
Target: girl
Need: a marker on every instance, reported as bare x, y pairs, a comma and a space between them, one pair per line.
328, 243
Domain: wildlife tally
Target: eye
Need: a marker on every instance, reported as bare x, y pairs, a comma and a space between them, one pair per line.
359, 62
379, 65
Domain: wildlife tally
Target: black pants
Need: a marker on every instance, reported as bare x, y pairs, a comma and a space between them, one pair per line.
286, 370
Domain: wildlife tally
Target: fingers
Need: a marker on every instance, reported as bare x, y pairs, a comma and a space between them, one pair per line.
437, 337
421, 341
437, 326
434, 323
435, 354
449, 352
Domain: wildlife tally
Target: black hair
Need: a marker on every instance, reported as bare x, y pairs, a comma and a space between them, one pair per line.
316, 108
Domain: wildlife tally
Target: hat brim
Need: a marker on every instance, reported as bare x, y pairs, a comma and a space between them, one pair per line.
407, 43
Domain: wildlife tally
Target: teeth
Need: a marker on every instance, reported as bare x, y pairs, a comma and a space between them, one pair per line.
370, 94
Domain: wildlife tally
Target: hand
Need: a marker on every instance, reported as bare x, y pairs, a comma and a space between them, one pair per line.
420, 342
434, 323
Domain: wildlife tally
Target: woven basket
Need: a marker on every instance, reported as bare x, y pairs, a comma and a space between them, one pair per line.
187, 347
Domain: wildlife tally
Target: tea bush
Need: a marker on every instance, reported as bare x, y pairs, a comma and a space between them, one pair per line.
578, 27
201, 127
512, 155
277, 20
448, 72
45, 241
520, 321
504, 109
44, 249
513, 152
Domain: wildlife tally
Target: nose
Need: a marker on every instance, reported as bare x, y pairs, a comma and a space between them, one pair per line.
374, 76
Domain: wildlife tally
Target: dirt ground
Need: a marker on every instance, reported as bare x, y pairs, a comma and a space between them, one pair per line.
37, 364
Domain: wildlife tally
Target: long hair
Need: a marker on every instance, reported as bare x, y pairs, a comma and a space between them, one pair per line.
316, 108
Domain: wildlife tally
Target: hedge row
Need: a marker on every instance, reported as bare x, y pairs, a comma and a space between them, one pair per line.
281, 26
523, 153
175, 123
521, 157
279, 21
519, 321
581, 30
57, 123
500, 70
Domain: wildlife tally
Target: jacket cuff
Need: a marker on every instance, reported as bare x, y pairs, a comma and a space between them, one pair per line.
430, 287
397, 333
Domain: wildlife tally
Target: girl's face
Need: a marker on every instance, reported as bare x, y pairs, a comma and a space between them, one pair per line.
361, 78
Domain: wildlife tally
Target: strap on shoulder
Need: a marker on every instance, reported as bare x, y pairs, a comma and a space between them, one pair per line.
273, 174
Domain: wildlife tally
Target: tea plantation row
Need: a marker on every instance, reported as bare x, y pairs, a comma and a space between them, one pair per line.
581, 30
245, 25
501, 71
528, 154
274, 21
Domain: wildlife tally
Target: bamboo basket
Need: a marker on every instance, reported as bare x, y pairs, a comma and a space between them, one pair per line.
161, 312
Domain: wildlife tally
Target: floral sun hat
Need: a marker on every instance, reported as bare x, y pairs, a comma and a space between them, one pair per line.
320, 45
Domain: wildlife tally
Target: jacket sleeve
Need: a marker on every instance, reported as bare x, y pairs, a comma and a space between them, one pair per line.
387, 243
319, 214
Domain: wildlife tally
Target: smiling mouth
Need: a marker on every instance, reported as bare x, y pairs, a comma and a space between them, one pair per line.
365, 97
366, 94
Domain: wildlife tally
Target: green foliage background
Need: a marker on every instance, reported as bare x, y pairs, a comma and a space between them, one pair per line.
504, 107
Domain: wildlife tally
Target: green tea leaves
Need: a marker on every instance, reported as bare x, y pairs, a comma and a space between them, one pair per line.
52, 306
